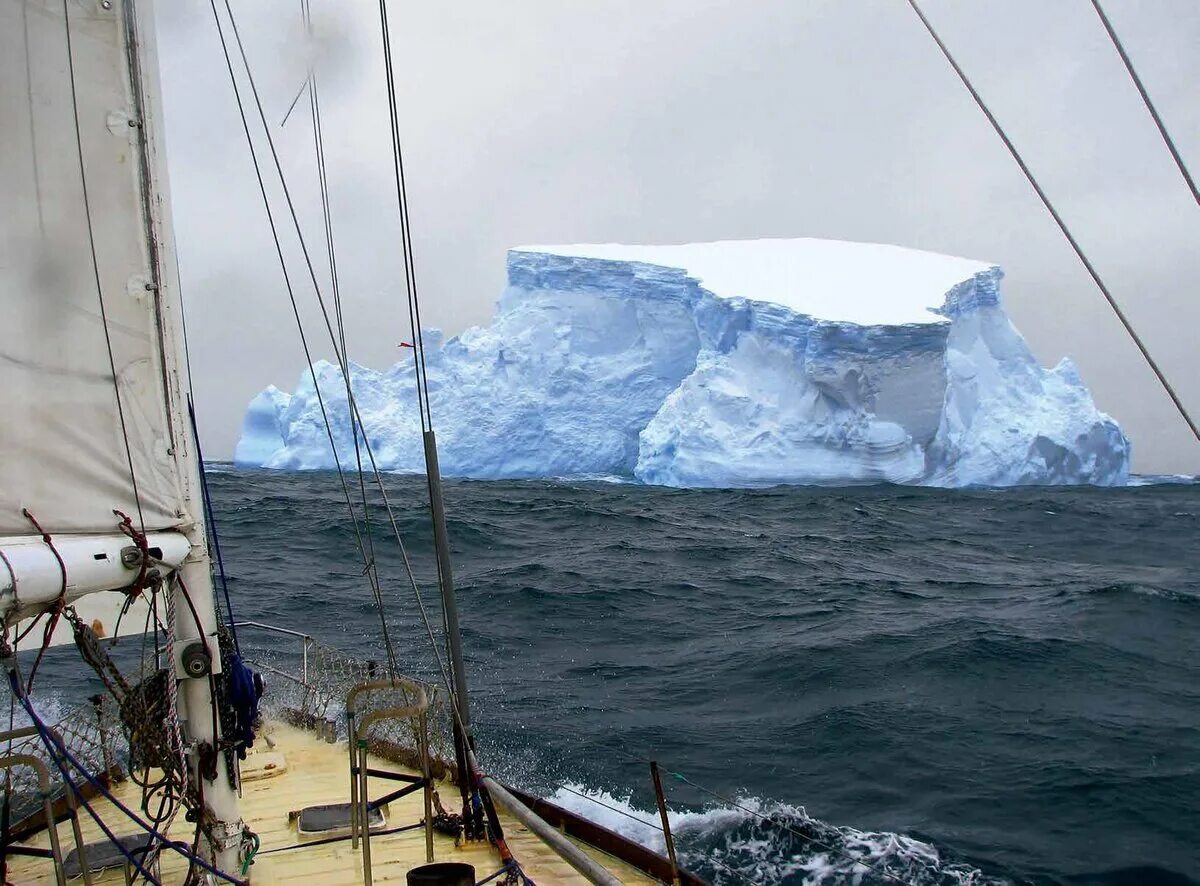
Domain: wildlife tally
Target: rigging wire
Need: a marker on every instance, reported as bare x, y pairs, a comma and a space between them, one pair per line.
1108, 296
1137, 81
212, 526
335, 288
292, 106
444, 673
420, 370
369, 570
370, 566
463, 740
329, 328
356, 415
87, 214
410, 276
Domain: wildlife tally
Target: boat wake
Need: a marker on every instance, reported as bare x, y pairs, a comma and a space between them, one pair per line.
757, 841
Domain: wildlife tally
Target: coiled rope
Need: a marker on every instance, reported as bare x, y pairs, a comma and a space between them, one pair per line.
61, 755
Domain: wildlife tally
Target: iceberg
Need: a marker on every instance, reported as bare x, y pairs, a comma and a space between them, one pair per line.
734, 363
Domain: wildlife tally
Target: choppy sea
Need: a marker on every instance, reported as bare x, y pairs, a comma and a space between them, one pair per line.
867, 685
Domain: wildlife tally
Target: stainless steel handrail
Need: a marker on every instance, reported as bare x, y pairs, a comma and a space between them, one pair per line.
269, 627
360, 803
305, 640
10, 761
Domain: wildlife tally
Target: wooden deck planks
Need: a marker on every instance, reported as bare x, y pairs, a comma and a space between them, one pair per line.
317, 772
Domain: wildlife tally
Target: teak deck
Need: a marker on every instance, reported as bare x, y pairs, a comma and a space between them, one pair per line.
309, 772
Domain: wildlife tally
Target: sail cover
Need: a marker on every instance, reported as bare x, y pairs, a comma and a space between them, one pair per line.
83, 403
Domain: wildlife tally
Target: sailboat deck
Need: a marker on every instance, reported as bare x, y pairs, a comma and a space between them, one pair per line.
313, 772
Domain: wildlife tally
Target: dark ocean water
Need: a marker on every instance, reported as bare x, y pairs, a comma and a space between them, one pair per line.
910, 685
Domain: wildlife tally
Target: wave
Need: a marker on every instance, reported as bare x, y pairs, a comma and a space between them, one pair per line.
933, 642
1160, 479
765, 841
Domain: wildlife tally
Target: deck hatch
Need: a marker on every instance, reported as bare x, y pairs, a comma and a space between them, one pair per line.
106, 854
332, 817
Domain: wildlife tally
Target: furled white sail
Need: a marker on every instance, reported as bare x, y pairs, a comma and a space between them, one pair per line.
83, 395
92, 368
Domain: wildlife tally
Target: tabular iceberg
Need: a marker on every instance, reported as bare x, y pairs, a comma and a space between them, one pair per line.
736, 363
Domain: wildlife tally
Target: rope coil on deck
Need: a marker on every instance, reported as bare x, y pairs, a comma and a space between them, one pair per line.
64, 760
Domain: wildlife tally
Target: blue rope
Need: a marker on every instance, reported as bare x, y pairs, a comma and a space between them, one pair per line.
47, 740
52, 744
511, 866
503, 870
212, 524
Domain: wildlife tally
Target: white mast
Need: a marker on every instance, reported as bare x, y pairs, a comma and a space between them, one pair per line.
93, 373
196, 700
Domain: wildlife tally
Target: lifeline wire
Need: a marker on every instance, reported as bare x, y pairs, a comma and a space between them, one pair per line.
709, 858
1112, 302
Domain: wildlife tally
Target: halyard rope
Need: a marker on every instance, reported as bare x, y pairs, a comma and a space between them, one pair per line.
803, 837
61, 756
59, 603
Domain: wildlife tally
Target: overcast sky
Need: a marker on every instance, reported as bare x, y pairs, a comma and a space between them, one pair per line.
668, 121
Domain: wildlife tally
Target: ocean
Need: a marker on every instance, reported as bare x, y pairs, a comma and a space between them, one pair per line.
874, 684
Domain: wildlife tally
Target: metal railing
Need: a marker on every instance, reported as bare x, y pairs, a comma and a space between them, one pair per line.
46, 796
305, 641
357, 725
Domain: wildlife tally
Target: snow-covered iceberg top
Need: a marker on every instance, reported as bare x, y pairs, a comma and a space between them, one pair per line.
722, 364
870, 284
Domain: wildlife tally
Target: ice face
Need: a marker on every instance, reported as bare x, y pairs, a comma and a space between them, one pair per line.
724, 364
262, 429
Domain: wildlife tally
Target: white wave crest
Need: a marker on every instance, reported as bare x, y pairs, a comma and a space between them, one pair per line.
770, 842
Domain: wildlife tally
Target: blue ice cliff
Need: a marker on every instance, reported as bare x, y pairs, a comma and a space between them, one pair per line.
738, 363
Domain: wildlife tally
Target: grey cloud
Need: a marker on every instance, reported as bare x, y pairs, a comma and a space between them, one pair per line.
675, 121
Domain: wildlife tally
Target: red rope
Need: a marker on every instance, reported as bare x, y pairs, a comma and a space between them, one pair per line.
59, 605
139, 539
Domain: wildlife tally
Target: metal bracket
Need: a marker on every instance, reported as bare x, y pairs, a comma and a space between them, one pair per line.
196, 660
189, 652
226, 835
